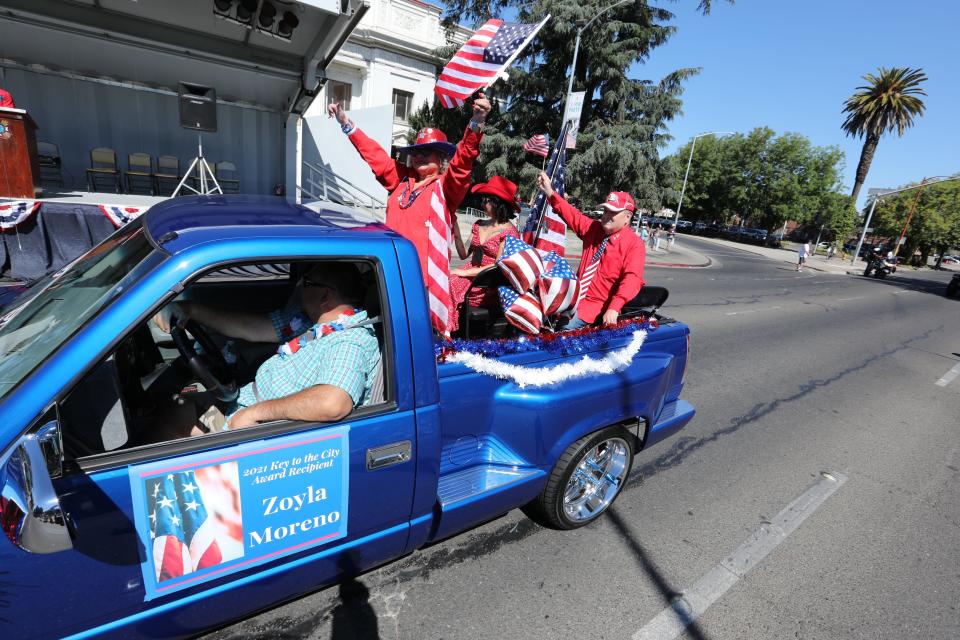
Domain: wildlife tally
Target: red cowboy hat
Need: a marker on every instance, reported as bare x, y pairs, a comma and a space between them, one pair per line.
432, 139
501, 188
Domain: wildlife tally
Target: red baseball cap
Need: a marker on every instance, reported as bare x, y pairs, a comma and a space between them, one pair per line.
432, 139
619, 201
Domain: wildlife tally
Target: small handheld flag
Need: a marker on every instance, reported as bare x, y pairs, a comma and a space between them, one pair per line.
538, 145
544, 229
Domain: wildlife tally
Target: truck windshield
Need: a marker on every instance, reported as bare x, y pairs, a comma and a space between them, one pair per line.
54, 307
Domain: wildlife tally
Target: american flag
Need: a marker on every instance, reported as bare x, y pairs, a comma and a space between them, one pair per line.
183, 534
13, 212
559, 289
482, 59
439, 237
522, 311
538, 145
553, 234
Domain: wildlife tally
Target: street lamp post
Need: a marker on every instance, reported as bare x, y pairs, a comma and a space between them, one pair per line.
581, 27
683, 189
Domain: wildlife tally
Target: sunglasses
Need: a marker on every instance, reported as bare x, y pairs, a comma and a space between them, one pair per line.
307, 282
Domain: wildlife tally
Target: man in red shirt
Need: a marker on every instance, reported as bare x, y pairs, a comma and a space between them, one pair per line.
6, 100
611, 268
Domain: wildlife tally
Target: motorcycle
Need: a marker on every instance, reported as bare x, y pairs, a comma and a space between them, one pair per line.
879, 267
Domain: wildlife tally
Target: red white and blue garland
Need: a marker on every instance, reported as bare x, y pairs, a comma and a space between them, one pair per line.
120, 214
482, 355
15, 212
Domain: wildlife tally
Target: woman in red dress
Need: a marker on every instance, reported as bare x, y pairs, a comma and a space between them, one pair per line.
486, 245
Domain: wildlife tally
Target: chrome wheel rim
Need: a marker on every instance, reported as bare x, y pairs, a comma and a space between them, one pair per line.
597, 480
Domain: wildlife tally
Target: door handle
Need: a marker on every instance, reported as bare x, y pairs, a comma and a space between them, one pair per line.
389, 454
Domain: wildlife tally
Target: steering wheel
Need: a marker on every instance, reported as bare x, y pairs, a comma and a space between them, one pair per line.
210, 367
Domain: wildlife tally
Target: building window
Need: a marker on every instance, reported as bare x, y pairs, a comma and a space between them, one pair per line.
340, 92
402, 105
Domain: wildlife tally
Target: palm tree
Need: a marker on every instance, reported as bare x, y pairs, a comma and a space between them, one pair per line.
886, 103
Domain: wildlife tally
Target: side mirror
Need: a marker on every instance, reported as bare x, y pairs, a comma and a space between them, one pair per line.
30, 513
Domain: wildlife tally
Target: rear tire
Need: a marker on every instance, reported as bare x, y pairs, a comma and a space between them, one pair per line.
585, 481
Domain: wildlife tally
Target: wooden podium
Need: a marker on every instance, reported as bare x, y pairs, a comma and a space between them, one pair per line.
19, 170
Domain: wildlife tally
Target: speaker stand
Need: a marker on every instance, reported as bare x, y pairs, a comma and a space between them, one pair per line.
204, 174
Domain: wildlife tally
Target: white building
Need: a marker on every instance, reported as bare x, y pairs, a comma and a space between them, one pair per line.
389, 60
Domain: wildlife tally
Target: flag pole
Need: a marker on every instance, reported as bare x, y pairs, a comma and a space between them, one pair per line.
554, 162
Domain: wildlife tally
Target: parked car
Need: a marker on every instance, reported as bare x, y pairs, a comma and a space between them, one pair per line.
111, 528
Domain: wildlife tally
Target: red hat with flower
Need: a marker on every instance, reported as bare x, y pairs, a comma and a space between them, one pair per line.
501, 188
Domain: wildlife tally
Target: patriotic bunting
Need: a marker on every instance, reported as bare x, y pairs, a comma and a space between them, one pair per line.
13, 212
120, 214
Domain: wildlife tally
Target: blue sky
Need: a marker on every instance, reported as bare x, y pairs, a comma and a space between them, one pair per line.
790, 66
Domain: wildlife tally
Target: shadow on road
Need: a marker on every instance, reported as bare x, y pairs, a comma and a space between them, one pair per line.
925, 285
669, 594
353, 618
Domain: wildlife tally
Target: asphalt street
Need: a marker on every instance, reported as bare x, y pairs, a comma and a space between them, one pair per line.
793, 375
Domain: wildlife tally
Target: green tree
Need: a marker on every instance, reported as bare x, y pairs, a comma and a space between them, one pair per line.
887, 103
623, 125
935, 224
764, 179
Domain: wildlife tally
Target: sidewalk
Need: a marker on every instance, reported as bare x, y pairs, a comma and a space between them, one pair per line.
680, 257
815, 263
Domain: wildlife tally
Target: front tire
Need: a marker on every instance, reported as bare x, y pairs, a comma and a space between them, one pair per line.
586, 480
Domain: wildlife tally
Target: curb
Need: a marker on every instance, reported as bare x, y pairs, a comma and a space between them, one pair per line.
665, 265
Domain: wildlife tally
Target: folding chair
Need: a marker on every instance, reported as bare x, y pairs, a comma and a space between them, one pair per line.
103, 166
139, 172
228, 176
168, 171
48, 157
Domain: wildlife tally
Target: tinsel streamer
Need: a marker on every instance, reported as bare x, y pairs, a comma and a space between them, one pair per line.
544, 376
563, 343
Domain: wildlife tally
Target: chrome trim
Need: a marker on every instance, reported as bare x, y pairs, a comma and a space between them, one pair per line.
389, 454
30, 511
597, 479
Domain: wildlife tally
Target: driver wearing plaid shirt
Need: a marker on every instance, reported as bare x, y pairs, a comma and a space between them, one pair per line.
322, 369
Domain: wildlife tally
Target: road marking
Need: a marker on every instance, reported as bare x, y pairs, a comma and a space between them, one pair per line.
743, 313
685, 609
848, 299
949, 376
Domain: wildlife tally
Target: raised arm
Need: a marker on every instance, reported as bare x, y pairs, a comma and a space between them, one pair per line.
388, 171
578, 223
458, 176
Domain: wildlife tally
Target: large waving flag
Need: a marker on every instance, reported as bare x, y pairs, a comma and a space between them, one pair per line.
544, 229
482, 59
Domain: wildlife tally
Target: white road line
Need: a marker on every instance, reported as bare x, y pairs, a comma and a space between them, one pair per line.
743, 313
949, 376
848, 299
685, 609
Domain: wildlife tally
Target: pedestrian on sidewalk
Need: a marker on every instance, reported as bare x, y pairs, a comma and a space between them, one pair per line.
671, 237
611, 269
644, 233
656, 238
832, 249
803, 254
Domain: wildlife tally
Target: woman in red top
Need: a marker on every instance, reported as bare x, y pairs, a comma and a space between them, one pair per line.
486, 245
432, 159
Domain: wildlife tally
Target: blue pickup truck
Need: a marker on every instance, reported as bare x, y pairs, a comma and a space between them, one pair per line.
111, 530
